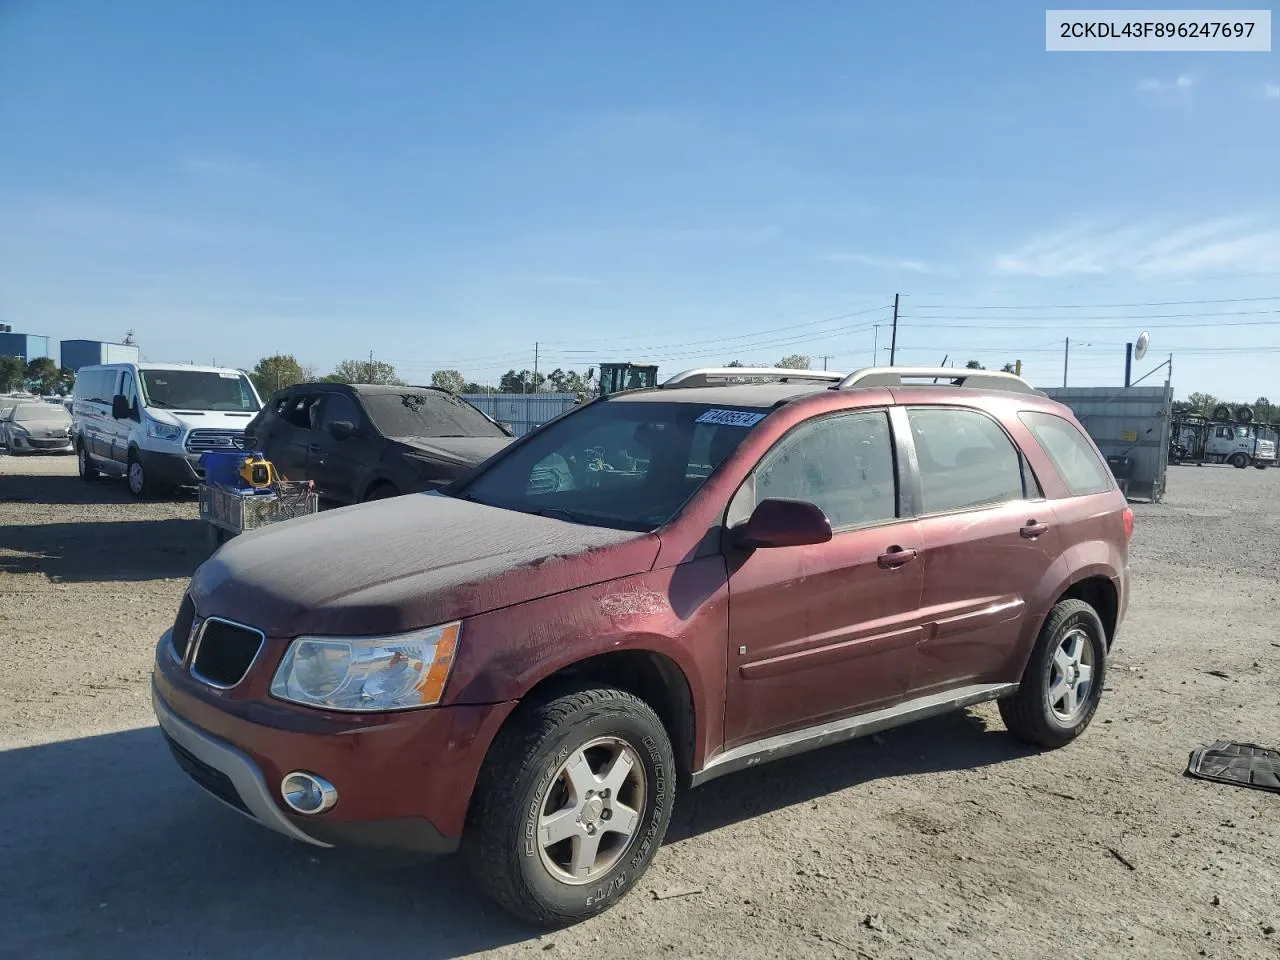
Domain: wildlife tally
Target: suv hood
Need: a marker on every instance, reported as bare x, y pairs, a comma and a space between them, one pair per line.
467, 451
406, 562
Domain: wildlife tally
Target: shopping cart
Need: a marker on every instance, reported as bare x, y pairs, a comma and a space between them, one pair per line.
231, 510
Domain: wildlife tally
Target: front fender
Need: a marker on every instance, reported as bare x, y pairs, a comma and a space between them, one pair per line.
680, 613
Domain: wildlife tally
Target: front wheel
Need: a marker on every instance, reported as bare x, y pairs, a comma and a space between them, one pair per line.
140, 484
1239, 461
571, 805
1062, 684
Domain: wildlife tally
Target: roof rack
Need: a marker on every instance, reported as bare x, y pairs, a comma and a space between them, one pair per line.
953, 377
720, 376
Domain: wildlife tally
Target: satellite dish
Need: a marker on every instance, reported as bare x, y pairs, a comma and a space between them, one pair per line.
1140, 348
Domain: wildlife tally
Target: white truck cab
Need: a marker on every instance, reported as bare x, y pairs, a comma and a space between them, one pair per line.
1238, 445
150, 422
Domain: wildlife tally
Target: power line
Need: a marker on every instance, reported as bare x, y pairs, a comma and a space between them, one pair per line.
1090, 306
1112, 316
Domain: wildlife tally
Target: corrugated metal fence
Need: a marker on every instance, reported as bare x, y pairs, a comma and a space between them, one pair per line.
521, 411
1133, 422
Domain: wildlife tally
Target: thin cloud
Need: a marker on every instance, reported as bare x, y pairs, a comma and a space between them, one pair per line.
1181, 85
892, 264
1146, 250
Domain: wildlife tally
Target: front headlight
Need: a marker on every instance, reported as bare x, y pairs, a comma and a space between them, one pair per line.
368, 673
162, 431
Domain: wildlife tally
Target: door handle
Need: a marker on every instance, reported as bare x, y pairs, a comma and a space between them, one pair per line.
1033, 529
895, 557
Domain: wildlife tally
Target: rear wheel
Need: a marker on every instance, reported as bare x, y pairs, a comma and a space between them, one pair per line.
1260, 466
85, 464
1239, 461
1062, 684
571, 805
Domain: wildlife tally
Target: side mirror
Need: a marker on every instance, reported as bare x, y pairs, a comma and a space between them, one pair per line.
783, 523
342, 430
119, 407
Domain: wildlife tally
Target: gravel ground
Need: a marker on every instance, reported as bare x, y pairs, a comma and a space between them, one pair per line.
946, 839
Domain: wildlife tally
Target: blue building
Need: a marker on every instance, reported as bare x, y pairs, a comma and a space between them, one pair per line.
84, 353
28, 346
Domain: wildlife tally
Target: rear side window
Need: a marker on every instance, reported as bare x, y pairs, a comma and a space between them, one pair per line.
966, 460
842, 464
1075, 457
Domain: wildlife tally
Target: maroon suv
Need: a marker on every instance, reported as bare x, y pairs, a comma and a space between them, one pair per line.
652, 590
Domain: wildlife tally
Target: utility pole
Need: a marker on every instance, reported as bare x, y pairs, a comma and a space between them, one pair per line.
1128, 364
535, 366
825, 358
893, 344
875, 344
1066, 353
370, 373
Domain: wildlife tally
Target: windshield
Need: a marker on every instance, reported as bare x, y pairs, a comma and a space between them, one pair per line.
198, 390
40, 413
629, 465
427, 413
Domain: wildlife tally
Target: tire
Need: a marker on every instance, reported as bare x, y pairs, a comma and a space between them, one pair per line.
1239, 460
381, 491
1222, 412
526, 773
1028, 714
1260, 466
1245, 414
84, 464
140, 485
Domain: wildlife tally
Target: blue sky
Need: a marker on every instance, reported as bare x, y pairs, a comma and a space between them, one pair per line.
688, 184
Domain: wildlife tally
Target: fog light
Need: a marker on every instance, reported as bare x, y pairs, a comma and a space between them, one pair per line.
308, 794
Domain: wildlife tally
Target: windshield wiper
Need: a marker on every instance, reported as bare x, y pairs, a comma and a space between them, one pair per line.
555, 513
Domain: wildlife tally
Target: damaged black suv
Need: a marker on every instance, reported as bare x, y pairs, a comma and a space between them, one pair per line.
360, 442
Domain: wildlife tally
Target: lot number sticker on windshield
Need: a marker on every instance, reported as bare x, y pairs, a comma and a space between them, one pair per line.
731, 418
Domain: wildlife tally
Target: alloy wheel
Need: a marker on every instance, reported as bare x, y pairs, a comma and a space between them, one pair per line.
590, 811
1071, 676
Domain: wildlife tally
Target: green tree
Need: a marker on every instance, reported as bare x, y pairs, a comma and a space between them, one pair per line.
473, 387
567, 381
66, 381
797, 361
1009, 368
450, 380
277, 372
42, 374
735, 363
520, 381
1202, 403
13, 373
974, 365
365, 371
1264, 411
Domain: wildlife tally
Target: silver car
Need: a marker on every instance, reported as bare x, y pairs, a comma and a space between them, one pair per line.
37, 428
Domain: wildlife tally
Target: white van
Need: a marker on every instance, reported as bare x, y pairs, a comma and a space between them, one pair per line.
150, 422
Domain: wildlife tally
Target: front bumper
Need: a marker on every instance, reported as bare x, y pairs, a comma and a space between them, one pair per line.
224, 771
404, 780
23, 444
169, 469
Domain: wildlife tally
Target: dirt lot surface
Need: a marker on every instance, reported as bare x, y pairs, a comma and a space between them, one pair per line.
946, 839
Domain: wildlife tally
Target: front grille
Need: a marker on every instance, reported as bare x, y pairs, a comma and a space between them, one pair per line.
224, 652
202, 441
213, 780
48, 444
182, 626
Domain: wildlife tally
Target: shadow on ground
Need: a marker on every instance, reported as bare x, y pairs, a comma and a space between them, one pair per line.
105, 550
59, 490
109, 851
